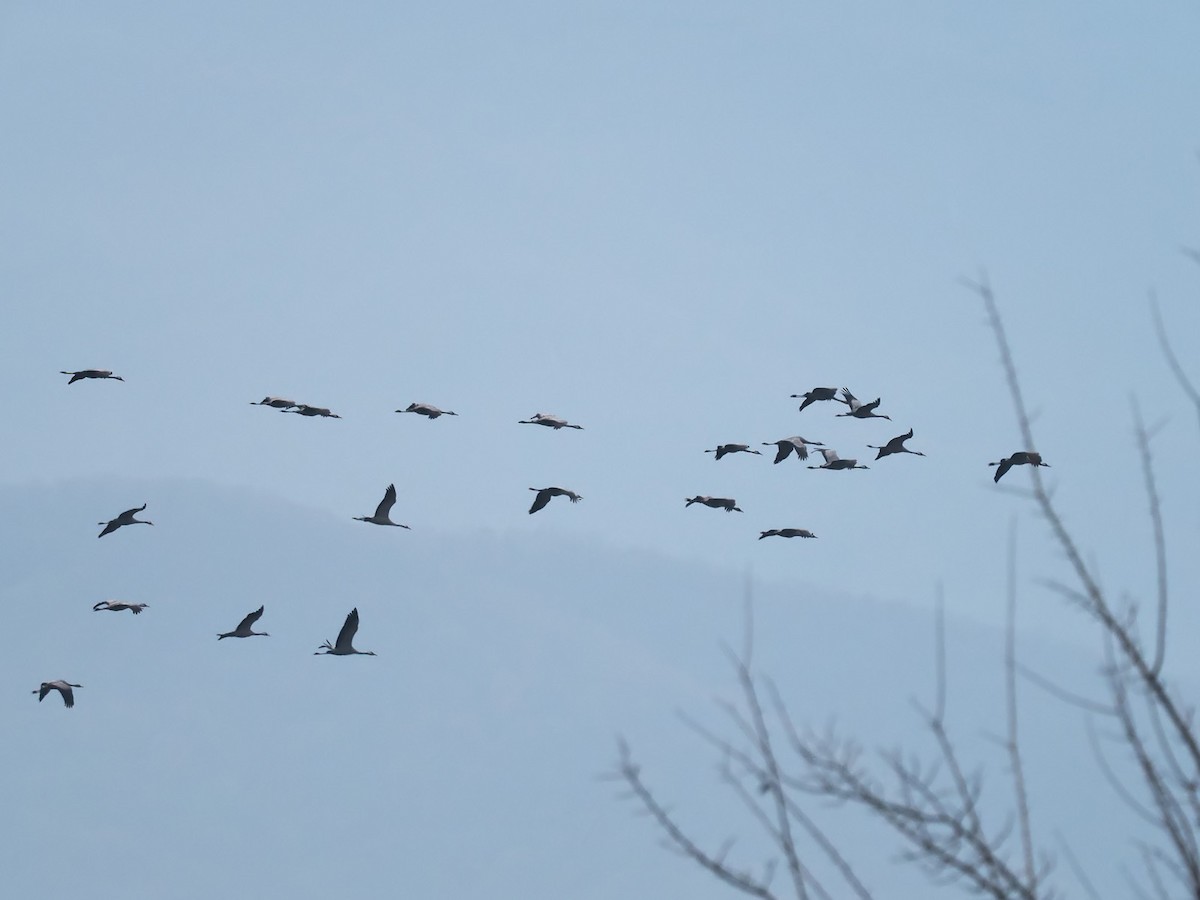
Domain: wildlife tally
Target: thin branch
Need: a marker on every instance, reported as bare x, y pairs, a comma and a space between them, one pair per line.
939, 714
1114, 782
1160, 543
629, 772
767, 753
1010, 690
1077, 869
1172, 360
1092, 706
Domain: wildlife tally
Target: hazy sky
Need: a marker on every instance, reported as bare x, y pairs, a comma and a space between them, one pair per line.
655, 219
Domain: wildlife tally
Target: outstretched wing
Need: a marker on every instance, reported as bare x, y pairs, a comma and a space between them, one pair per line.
785, 450
249, 621
388, 501
540, 501
345, 637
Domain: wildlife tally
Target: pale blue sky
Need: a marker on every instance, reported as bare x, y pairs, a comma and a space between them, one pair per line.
655, 219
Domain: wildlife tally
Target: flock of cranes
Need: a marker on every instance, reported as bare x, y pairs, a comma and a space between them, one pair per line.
344, 645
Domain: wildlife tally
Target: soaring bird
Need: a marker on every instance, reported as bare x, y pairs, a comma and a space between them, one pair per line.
818, 393
426, 409
243, 629
787, 533
795, 443
896, 445
1020, 458
833, 462
724, 503
381, 511
345, 640
118, 605
63, 687
545, 494
125, 518
861, 410
303, 409
275, 402
724, 449
91, 373
549, 421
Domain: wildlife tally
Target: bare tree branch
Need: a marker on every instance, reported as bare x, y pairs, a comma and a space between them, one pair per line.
1160, 542
1020, 793
630, 773
1164, 343
1080, 875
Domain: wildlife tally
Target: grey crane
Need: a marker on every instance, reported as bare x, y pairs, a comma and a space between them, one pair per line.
303, 409
832, 461
555, 422
1020, 458
725, 503
125, 518
381, 516
726, 449
794, 444
345, 640
426, 409
244, 627
896, 445
815, 395
276, 403
787, 533
63, 687
544, 495
119, 605
91, 373
861, 410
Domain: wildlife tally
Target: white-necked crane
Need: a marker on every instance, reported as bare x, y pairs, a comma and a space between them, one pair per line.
544, 495
834, 462
345, 640
125, 518
91, 373
555, 422
725, 503
794, 444
815, 395
63, 687
726, 449
1020, 458
861, 410
426, 409
381, 516
275, 403
896, 445
244, 627
787, 533
119, 605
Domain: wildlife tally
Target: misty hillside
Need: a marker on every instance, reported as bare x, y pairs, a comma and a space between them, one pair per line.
465, 756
